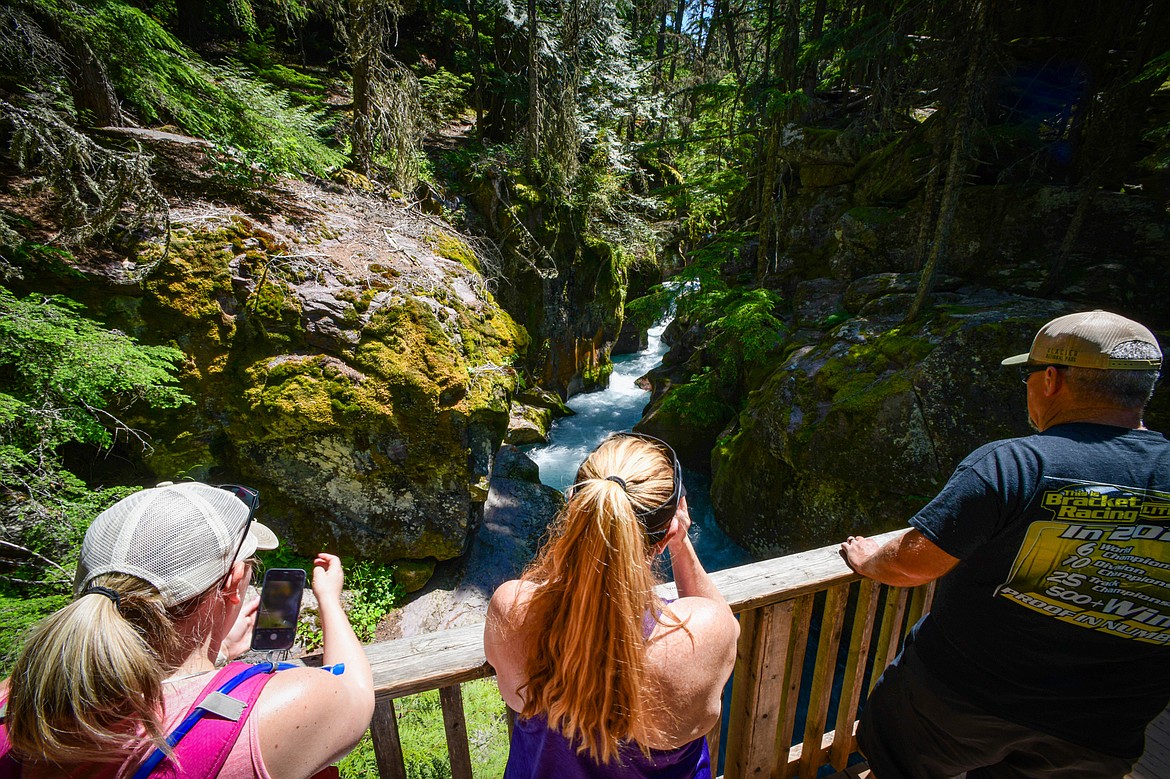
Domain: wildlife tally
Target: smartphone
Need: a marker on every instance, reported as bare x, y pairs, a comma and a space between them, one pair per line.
280, 606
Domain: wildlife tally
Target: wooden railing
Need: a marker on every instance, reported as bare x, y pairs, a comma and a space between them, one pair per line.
810, 631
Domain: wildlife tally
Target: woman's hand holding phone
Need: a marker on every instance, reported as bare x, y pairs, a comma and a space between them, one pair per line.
239, 638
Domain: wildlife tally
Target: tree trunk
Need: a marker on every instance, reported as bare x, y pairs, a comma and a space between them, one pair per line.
960, 155
711, 27
477, 68
730, 21
93, 95
89, 86
789, 46
678, 25
533, 137
361, 134
769, 32
811, 76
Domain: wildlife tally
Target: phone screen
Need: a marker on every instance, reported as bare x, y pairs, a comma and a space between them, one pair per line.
280, 607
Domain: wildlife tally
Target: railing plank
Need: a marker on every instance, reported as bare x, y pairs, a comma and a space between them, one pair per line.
917, 607
387, 745
428, 662
794, 672
409, 665
864, 617
760, 666
832, 620
783, 578
455, 726
891, 633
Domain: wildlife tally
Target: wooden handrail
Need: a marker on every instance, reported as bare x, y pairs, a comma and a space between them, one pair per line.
783, 622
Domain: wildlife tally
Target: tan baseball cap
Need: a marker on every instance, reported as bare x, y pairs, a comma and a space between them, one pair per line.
182, 538
1085, 340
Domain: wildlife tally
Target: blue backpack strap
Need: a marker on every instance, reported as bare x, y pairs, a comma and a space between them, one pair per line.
206, 752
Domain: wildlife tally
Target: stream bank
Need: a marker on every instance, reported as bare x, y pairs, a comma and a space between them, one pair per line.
527, 490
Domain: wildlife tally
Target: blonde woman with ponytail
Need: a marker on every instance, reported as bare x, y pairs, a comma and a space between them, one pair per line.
608, 679
159, 604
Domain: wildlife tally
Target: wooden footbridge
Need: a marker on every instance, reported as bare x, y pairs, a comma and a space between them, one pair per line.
814, 637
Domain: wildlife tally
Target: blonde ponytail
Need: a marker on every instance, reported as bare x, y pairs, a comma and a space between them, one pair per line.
88, 685
586, 673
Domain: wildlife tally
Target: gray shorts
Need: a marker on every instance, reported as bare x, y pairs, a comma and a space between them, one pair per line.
912, 727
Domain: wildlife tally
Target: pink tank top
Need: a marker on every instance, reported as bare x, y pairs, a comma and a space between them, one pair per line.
243, 762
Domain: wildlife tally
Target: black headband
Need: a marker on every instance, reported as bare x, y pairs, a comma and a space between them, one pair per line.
655, 521
107, 592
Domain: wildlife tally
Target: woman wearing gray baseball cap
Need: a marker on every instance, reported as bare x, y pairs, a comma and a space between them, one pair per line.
159, 593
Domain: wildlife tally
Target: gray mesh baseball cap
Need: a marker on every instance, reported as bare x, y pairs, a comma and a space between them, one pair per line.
182, 538
1085, 340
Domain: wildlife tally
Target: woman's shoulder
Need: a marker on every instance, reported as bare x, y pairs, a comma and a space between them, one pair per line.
510, 600
307, 719
701, 613
695, 627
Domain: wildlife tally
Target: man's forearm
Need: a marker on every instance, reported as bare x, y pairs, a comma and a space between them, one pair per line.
906, 561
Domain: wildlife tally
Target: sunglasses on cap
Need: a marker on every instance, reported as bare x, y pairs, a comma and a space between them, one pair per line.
656, 521
251, 499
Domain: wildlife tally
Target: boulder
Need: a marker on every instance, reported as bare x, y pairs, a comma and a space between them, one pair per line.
542, 398
364, 395
816, 300
516, 518
512, 463
413, 575
822, 175
856, 431
527, 424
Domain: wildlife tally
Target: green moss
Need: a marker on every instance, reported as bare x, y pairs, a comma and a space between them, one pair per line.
596, 374
274, 301
872, 215
298, 396
186, 293
413, 575
454, 248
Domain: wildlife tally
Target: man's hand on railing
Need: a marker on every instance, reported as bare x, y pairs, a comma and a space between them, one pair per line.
906, 561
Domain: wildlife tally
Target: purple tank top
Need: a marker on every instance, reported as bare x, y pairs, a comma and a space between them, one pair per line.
538, 752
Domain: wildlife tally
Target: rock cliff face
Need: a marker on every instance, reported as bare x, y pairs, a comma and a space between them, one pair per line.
859, 427
347, 360
565, 283
853, 420
855, 431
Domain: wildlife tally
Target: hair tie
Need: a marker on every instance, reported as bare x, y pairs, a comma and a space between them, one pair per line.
617, 480
107, 592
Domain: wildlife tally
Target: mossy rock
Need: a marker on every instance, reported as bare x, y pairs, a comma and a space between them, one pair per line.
814, 175
542, 398
857, 431
893, 174
528, 425
454, 248
413, 575
367, 417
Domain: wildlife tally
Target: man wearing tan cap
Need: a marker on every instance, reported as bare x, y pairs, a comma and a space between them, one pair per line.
1047, 649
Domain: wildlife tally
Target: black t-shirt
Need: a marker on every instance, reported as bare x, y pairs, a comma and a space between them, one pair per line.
1058, 615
